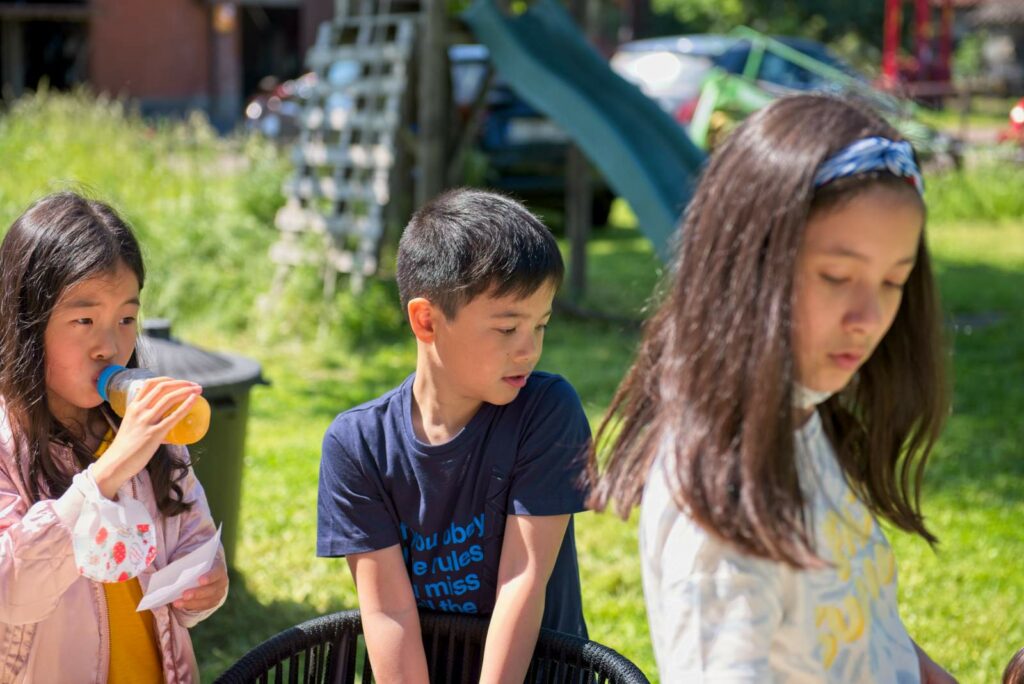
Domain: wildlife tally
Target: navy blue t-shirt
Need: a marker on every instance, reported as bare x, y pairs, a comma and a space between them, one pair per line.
446, 503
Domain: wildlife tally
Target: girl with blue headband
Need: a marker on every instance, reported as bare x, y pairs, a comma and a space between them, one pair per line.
784, 400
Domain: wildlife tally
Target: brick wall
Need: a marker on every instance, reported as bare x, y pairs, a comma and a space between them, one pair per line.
153, 50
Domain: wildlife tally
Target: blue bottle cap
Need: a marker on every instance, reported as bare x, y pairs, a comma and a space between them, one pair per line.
101, 382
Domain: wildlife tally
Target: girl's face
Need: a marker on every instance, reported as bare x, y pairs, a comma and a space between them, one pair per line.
92, 326
850, 274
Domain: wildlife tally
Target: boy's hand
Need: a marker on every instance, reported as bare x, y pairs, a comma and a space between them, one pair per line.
212, 588
528, 555
147, 420
391, 620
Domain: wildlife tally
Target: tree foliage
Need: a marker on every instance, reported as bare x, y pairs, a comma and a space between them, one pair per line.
820, 19
855, 28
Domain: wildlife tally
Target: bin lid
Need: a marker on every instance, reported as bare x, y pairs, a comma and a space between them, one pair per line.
212, 370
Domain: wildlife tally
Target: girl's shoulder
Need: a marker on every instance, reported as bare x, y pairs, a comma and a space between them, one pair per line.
669, 535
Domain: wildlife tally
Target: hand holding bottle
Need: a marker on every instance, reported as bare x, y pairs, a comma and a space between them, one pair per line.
119, 385
158, 406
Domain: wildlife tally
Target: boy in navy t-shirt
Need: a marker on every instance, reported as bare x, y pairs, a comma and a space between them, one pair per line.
455, 491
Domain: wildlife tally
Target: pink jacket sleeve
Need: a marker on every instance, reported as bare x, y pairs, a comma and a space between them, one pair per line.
37, 563
195, 526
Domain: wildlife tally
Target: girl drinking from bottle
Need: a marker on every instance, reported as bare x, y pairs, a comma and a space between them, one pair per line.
785, 397
90, 504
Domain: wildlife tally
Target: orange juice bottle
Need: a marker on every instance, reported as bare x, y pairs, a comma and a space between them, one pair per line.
119, 385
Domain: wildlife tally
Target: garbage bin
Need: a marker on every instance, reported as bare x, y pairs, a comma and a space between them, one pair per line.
226, 379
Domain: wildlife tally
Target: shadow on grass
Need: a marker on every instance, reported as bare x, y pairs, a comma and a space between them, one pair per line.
243, 623
972, 288
978, 456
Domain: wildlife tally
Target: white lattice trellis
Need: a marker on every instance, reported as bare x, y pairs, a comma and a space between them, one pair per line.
347, 145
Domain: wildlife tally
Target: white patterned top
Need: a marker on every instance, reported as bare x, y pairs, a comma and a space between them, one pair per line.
719, 615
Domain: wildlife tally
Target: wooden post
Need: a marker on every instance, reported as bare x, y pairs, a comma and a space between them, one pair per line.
639, 26
433, 100
12, 79
402, 196
579, 191
578, 194
227, 64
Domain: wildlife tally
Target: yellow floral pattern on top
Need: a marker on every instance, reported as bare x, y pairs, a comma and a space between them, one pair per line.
718, 614
846, 622
858, 594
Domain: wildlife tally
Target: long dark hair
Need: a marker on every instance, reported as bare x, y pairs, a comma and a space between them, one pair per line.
59, 241
711, 386
1014, 672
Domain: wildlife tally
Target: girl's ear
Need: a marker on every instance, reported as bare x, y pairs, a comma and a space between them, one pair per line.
422, 317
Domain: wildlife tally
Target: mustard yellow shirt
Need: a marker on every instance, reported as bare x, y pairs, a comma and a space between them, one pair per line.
134, 648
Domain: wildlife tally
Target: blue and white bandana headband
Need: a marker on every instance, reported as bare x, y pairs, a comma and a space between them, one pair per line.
872, 154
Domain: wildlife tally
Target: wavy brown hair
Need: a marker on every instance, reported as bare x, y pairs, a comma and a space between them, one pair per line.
59, 241
1014, 672
711, 386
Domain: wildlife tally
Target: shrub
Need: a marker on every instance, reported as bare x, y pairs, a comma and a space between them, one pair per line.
202, 205
991, 192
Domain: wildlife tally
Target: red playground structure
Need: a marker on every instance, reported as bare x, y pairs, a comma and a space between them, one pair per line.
926, 73
1015, 131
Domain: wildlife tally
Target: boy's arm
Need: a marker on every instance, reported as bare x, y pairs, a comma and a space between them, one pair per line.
528, 555
391, 623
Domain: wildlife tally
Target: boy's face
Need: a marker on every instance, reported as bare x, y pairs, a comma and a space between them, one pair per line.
493, 343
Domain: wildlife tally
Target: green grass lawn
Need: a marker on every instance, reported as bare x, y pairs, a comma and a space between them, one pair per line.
984, 112
961, 601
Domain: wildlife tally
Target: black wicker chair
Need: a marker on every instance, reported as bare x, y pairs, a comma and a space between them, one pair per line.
328, 649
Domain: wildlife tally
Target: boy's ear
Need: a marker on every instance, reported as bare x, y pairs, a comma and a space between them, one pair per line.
422, 317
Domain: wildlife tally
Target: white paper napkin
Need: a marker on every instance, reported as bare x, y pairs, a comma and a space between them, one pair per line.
169, 583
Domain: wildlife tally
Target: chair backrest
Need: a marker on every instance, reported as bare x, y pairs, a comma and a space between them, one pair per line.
328, 649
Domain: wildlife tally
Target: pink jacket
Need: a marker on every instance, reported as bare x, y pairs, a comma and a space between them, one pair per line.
53, 621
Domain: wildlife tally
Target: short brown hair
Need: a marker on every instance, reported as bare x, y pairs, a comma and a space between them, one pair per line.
466, 242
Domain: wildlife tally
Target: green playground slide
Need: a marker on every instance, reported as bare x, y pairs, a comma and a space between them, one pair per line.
644, 155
